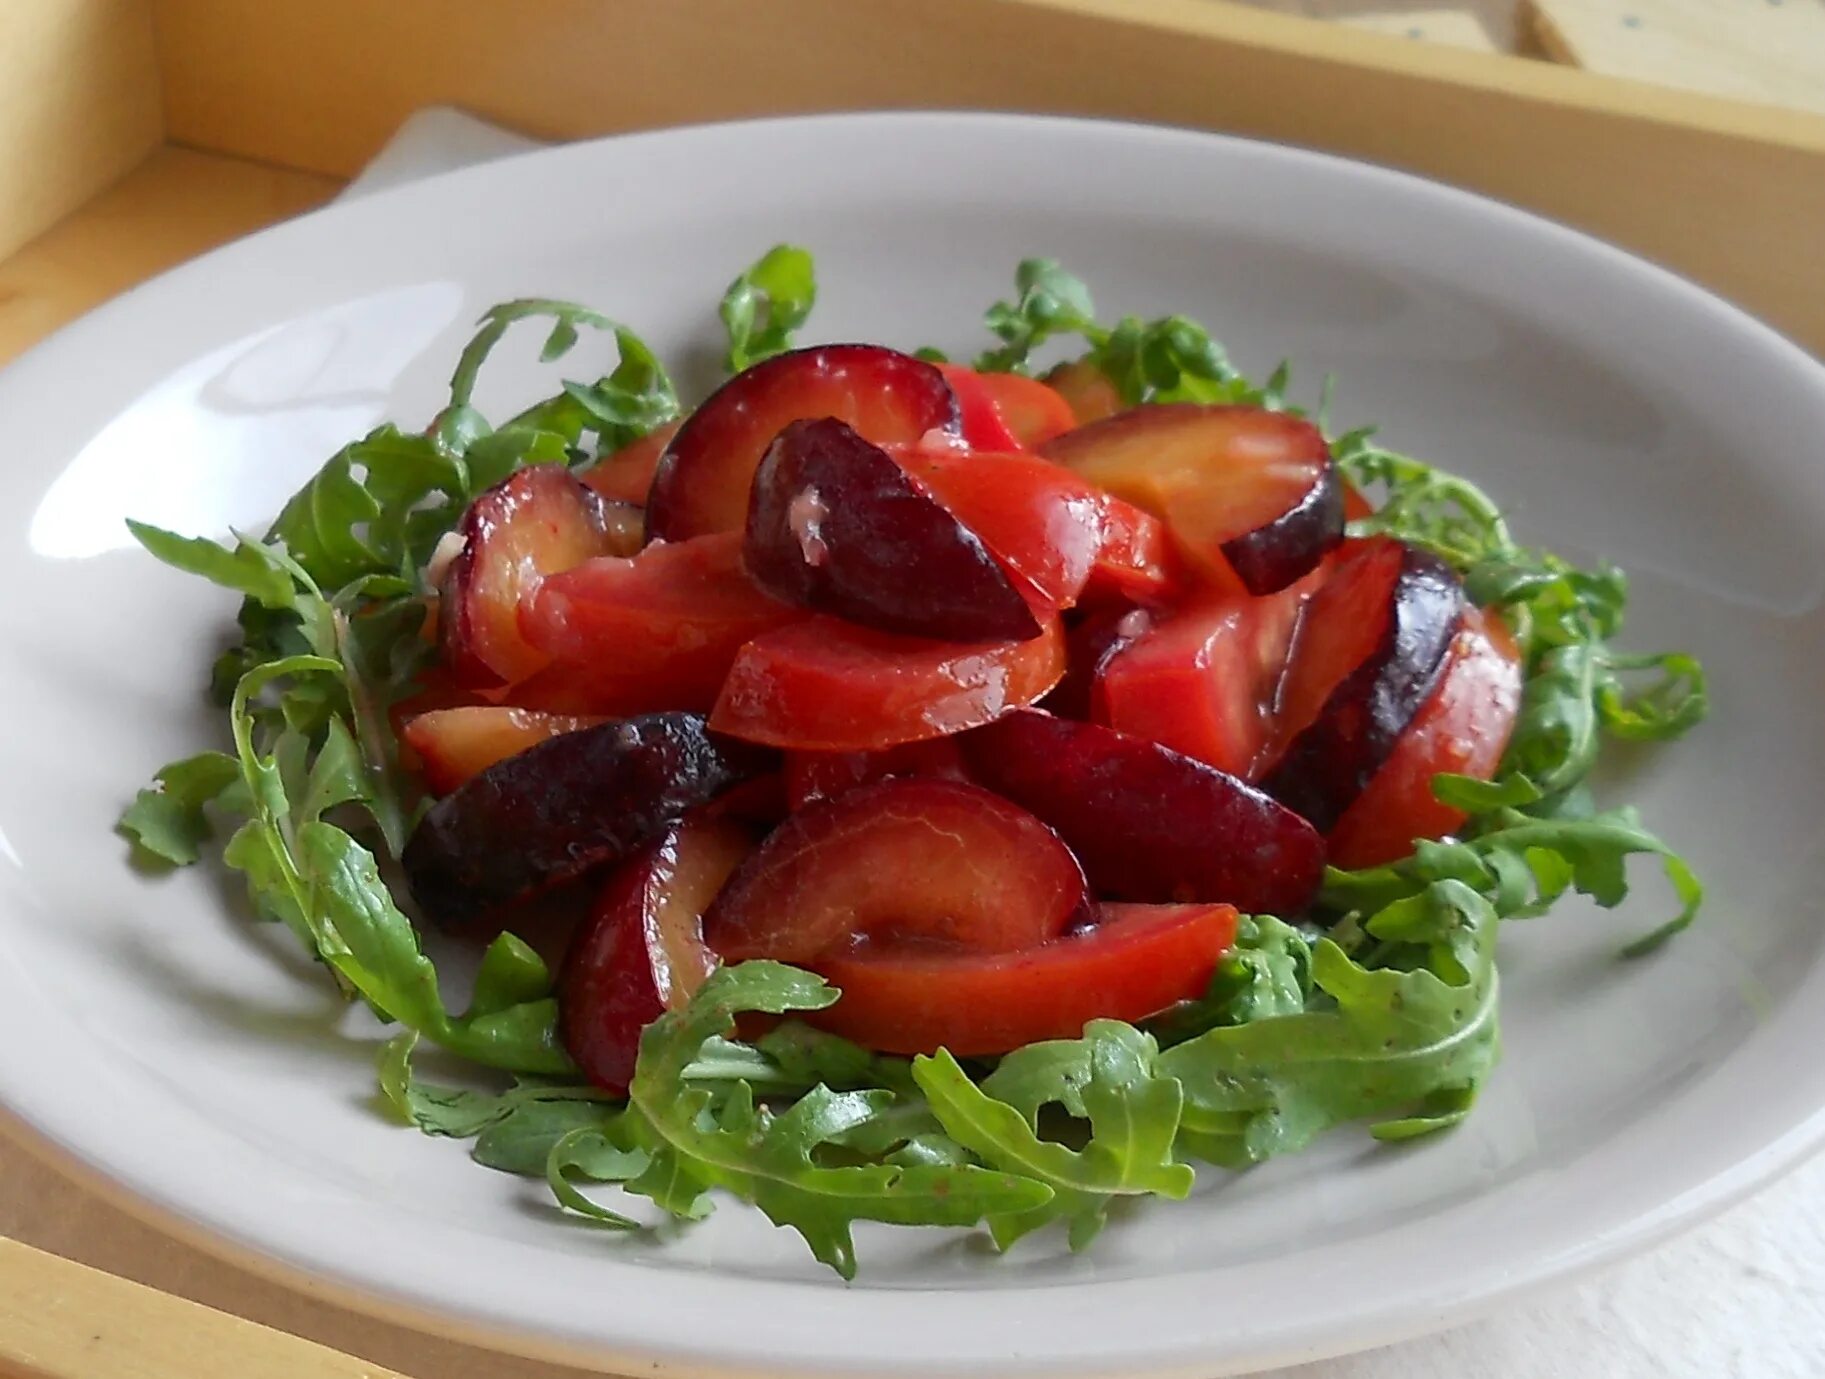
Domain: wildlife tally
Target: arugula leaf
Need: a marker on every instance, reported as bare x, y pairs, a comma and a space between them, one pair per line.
1048, 302
771, 299
1380, 1041
774, 1160
169, 822
1109, 1078
247, 569
1267, 973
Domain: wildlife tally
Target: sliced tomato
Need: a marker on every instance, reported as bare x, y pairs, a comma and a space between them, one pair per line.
658, 631
1137, 961
1038, 519
451, 745
1355, 506
1087, 390
1201, 681
1463, 728
627, 475
905, 861
1137, 562
814, 776
1006, 411
642, 952
828, 686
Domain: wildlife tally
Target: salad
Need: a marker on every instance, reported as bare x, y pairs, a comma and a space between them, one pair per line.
902, 791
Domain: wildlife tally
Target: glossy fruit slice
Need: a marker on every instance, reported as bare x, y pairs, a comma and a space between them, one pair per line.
837, 526
825, 685
659, 631
1137, 961
1040, 520
642, 952
1251, 496
1367, 653
1007, 411
704, 478
1136, 562
814, 776
1463, 728
907, 861
627, 475
1147, 823
1089, 392
565, 807
1202, 680
451, 745
534, 523
1090, 644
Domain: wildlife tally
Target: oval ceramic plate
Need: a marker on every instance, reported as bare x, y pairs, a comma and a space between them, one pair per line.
200, 1067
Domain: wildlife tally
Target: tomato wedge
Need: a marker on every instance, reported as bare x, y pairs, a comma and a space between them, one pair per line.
828, 686
627, 475
1138, 961
1202, 680
1007, 411
1037, 518
1463, 728
657, 631
453, 744
1137, 562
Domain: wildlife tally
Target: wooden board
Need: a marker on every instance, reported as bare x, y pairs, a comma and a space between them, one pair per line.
321, 86
79, 105
1755, 50
176, 205
1486, 26
60, 1320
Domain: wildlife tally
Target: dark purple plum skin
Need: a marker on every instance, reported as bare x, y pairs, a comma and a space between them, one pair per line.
1149, 824
565, 807
703, 476
1329, 764
1090, 644
836, 526
1271, 557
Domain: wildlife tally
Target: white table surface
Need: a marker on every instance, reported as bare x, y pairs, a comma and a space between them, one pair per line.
1742, 1297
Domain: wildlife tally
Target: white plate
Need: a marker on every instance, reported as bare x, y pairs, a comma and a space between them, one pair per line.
200, 1068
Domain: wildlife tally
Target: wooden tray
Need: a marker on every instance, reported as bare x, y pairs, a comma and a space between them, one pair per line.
137, 133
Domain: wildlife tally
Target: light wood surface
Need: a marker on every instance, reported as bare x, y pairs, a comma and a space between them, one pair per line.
79, 105
175, 205
60, 1320
1754, 50
1486, 26
1729, 194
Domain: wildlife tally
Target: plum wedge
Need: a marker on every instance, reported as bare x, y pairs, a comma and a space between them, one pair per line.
535, 523
659, 631
923, 861
1147, 823
814, 776
456, 743
565, 807
825, 685
642, 952
704, 477
1367, 653
1251, 496
836, 526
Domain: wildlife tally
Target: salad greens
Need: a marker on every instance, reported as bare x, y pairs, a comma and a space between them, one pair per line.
1381, 1006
